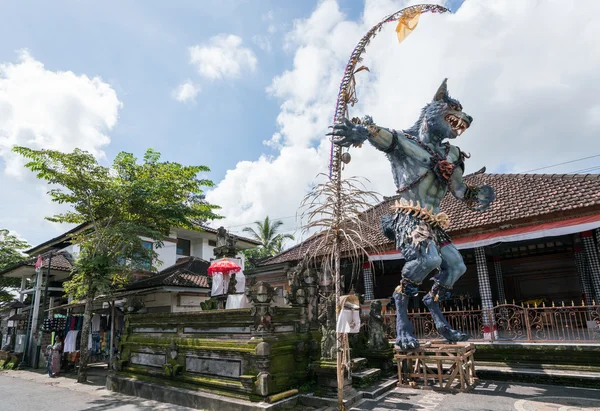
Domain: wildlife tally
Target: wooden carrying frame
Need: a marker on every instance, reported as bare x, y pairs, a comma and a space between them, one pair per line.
441, 366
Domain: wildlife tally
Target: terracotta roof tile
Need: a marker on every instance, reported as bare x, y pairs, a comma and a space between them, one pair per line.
188, 272
59, 262
519, 197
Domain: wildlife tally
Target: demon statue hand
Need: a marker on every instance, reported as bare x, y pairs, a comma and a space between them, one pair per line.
425, 166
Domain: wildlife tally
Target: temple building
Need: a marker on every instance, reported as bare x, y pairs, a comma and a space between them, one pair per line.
537, 245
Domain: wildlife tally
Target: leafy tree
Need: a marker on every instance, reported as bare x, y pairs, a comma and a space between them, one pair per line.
118, 205
10, 253
253, 255
266, 233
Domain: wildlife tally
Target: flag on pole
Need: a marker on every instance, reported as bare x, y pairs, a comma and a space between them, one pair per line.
407, 23
38, 263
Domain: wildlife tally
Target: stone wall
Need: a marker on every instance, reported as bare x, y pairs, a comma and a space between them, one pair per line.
228, 352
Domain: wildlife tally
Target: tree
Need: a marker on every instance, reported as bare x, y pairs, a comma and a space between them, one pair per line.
253, 255
118, 205
266, 233
10, 254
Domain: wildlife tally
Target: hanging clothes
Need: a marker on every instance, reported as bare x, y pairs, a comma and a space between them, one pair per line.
71, 341
96, 323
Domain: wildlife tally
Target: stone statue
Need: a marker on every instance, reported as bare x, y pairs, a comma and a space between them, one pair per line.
222, 237
425, 166
226, 244
377, 338
295, 277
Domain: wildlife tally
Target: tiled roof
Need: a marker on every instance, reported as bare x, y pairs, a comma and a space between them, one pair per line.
60, 262
520, 199
188, 272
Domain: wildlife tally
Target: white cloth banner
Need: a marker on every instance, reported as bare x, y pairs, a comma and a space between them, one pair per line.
237, 301
219, 284
348, 322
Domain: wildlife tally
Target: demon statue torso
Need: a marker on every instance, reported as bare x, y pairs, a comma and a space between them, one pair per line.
425, 167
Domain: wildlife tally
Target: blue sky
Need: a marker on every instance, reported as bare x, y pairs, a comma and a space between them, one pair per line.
497, 55
141, 49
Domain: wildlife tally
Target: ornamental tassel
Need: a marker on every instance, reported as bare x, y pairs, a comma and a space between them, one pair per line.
407, 23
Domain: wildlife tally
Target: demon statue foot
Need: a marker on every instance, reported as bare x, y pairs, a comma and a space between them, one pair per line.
405, 339
442, 326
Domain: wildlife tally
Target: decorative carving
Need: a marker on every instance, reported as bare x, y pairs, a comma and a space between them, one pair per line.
261, 295
295, 277
327, 321
232, 284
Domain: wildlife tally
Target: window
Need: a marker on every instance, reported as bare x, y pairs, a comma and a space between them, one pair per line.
212, 243
183, 246
147, 245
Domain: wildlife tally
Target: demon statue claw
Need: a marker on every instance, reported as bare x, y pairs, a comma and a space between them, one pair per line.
425, 166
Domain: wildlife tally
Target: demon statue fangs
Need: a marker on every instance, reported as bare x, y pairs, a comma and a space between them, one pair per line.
425, 167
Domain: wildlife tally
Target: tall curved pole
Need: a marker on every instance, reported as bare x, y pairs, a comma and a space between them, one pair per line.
347, 96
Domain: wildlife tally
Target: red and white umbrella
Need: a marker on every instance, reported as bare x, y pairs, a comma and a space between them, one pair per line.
223, 266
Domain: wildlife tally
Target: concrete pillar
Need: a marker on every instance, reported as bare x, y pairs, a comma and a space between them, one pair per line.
583, 274
499, 280
593, 262
23, 285
368, 281
33, 336
485, 291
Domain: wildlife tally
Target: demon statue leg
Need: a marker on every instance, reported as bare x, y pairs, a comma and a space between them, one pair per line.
405, 338
451, 269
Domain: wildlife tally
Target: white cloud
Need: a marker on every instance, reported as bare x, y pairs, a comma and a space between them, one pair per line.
56, 110
186, 91
40, 108
268, 16
263, 42
531, 89
222, 57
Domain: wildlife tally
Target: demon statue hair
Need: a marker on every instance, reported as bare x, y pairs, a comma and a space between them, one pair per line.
425, 166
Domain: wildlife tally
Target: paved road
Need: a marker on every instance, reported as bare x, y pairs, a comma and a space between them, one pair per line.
489, 396
17, 394
41, 393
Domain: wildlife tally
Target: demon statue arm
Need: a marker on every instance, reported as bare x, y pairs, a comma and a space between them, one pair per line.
481, 197
357, 131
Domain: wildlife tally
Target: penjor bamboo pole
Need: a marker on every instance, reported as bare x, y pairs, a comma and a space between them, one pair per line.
337, 274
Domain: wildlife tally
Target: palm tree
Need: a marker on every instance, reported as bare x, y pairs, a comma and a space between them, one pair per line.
266, 233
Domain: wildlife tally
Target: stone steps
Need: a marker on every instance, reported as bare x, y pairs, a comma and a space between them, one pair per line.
358, 364
366, 377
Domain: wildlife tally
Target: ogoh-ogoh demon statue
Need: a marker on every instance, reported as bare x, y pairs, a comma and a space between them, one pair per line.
425, 166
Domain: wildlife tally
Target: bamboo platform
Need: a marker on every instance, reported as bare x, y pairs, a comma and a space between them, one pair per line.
439, 366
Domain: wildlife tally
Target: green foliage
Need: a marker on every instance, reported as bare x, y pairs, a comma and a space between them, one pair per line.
253, 255
266, 233
117, 205
10, 254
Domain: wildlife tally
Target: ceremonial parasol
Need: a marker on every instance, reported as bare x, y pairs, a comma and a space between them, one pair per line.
224, 266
